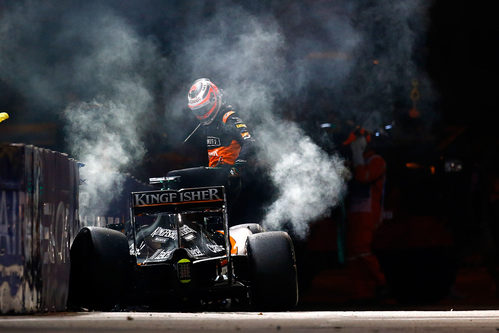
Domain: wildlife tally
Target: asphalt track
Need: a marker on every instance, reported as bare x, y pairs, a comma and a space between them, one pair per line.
319, 321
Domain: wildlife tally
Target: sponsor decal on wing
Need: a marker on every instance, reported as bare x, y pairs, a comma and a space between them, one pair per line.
195, 252
164, 233
215, 248
146, 199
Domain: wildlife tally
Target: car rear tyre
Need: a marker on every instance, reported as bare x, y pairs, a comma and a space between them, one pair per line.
99, 269
272, 267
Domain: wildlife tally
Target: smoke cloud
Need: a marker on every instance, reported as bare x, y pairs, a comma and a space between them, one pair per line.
247, 58
86, 65
107, 134
107, 143
309, 181
361, 55
103, 64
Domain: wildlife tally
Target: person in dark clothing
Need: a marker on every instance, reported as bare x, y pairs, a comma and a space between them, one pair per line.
228, 139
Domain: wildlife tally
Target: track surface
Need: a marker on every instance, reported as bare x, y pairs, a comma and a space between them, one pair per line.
348, 321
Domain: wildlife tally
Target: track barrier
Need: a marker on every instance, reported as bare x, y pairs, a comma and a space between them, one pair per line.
40, 192
38, 219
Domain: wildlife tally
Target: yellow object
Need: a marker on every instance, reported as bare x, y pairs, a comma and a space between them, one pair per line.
184, 272
3, 116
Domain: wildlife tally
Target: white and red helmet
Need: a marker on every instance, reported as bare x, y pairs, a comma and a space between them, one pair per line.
205, 100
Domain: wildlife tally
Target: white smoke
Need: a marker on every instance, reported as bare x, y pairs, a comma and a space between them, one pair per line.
94, 58
107, 133
309, 181
245, 57
362, 56
90, 63
105, 138
248, 57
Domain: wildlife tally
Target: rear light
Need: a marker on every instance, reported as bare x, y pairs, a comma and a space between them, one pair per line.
184, 270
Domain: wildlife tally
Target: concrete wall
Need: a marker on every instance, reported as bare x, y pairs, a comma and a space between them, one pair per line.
38, 220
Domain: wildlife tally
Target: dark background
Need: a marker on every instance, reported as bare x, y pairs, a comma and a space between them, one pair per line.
458, 51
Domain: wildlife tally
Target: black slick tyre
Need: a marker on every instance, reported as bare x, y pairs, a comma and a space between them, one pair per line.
272, 268
99, 269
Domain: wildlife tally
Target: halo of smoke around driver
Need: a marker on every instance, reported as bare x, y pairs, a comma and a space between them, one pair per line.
254, 73
257, 65
245, 57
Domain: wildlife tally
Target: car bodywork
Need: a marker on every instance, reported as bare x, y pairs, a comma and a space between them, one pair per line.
185, 235
179, 250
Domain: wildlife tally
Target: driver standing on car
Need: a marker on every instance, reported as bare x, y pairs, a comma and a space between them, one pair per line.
228, 139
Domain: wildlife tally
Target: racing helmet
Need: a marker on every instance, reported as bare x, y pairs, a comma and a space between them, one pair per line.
205, 100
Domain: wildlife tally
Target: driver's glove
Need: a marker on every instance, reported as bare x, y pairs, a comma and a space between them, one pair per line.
237, 168
233, 172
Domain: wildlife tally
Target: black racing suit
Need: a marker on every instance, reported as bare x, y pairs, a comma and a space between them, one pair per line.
230, 145
228, 139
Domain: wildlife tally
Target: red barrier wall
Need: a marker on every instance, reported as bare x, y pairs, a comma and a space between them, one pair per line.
38, 220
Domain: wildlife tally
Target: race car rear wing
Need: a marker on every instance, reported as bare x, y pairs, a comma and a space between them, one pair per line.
174, 201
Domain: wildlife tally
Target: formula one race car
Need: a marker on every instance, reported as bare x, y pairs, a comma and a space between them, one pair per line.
181, 251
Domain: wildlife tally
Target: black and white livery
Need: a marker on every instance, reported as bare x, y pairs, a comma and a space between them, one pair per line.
180, 250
